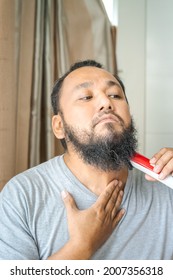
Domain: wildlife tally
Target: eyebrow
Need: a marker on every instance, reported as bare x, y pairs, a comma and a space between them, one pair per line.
84, 85
112, 83
109, 83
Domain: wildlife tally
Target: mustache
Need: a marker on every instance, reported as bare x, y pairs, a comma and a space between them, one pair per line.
99, 117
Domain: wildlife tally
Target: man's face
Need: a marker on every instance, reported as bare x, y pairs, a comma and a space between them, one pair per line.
93, 100
96, 118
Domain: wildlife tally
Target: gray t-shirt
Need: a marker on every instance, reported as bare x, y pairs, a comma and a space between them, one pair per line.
33, 223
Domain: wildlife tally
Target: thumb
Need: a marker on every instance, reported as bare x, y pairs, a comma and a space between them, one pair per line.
69, 201
149, 178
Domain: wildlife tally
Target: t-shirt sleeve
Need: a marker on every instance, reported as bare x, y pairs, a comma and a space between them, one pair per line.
16, 239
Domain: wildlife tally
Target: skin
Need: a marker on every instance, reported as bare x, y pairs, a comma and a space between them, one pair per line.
163, 163
86, 94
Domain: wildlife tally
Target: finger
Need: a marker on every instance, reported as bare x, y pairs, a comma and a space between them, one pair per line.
158, 155
167, 170
164, 164
118, 217
105, 196
119, 200
69, 201
114, 199
117, 204
149, 178
157, 158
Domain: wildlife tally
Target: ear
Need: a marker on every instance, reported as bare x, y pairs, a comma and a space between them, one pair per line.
57, 126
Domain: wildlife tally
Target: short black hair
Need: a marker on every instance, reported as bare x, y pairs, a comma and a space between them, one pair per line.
56, 91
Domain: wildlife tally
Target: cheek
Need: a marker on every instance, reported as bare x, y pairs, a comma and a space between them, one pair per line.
125, 114
79, 116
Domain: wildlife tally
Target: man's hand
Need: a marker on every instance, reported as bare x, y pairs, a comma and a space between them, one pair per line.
90, 228
163, 163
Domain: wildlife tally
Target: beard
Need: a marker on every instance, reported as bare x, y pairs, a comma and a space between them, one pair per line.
109, 152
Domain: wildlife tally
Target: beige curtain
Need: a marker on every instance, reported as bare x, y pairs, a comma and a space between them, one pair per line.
7, 93
16, 58
39, 40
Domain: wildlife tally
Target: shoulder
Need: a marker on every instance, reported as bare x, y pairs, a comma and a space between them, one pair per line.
29, 191
32, 179
149, 197
148, 187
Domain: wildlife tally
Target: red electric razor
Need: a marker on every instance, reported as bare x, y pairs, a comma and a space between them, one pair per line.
142, 163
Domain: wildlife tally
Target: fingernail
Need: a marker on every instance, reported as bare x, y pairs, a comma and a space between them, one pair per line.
121, 193
64, 194
153, 160
161, 176
156, 168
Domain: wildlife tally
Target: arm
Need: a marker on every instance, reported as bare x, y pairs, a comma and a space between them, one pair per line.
163, 163
90, 228
16, 242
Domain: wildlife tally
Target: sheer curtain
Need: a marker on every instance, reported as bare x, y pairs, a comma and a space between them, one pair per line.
39, 40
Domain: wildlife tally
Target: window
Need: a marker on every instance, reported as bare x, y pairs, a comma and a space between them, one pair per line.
111, 7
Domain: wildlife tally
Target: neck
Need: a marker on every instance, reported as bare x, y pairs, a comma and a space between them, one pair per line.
93, 178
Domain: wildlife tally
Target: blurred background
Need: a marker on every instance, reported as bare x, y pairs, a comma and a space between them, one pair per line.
40, 39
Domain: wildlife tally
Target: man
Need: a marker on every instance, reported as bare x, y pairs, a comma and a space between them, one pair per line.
89, 203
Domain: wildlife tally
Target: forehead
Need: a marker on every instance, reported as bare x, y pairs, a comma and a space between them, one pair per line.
90, 75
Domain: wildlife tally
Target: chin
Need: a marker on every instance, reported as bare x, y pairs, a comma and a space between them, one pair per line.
110, 128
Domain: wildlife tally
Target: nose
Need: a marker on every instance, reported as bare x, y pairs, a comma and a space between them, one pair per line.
104, 102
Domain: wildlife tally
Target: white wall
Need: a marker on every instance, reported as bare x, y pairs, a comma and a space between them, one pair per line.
159, 75
131, 59
145, 61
